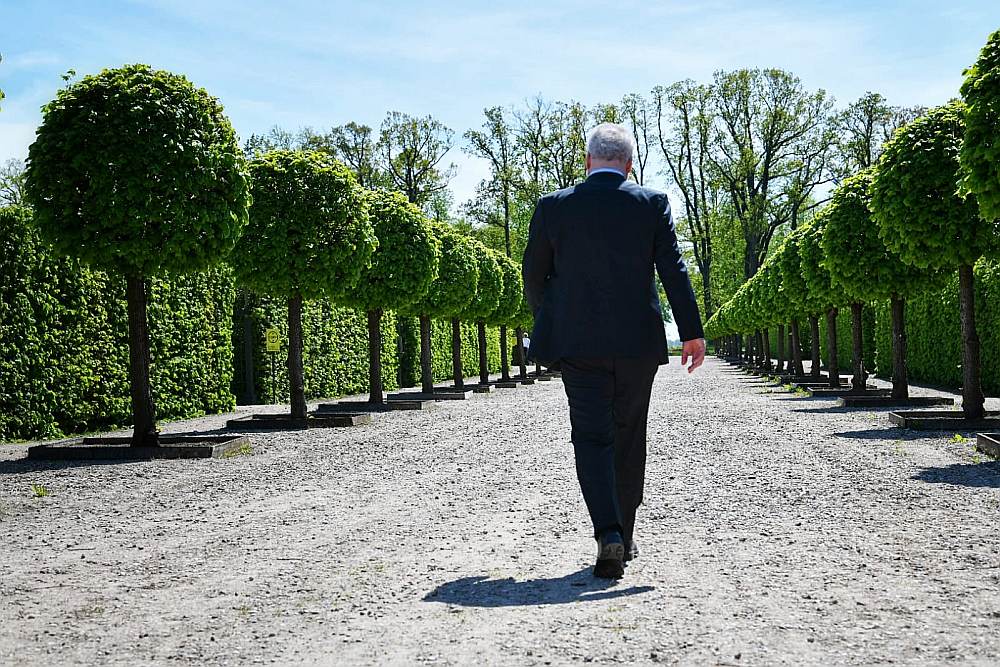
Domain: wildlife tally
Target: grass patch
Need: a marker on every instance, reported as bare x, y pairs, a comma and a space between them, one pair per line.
243, 450
40, 491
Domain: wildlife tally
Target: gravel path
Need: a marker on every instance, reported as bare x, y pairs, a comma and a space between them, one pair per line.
777, 530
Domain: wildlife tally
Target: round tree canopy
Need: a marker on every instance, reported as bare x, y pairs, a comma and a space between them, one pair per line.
136, 170
794, 284
512, 294
821, 294
309, 233
980, 157
489, 288
524, 318
406, 260
458, 274
858, 260
770, 300
921, 216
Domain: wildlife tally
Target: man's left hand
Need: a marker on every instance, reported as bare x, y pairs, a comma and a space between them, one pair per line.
695, 351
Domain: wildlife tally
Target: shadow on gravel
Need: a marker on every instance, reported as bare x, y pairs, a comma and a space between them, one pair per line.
890, 433
979, 475
482, 591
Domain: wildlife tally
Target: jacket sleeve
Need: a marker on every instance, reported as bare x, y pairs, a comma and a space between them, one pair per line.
674, 275
536, 266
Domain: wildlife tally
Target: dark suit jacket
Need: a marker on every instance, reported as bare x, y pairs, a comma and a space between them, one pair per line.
588, 272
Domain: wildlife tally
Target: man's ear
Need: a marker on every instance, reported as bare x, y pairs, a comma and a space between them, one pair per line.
588, 162
628, 168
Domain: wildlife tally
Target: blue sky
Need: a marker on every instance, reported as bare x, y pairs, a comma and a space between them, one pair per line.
306, 62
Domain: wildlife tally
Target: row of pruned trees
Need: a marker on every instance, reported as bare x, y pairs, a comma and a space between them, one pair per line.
138, 172
928, 207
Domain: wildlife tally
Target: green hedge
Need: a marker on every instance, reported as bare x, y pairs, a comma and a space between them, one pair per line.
64, 350
63, 341
934, 343
335, 350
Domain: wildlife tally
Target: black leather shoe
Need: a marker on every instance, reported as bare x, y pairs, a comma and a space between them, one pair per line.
610, 556
631, 550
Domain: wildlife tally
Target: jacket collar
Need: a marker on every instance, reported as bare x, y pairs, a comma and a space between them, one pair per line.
610, 177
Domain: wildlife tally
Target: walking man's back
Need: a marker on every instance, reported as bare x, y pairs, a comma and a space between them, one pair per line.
589, 278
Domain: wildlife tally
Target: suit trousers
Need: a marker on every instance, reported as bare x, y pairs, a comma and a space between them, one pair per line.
608, 409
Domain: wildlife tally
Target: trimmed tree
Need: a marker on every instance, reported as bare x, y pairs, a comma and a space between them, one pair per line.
450, 293
488, 291
821, 296
865, 270
401, 271
309, 237
980, 154
138, 172
508, 307
794, 293
925, 220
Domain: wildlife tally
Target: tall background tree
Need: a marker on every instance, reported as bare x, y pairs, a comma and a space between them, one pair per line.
685, 125
411, 152
772, 150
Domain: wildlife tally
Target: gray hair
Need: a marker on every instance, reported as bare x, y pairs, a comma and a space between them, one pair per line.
611, 142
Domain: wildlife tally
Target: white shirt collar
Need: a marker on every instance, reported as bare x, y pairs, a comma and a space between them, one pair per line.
606, 169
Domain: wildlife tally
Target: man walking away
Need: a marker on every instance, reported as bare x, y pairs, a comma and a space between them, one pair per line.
589, 278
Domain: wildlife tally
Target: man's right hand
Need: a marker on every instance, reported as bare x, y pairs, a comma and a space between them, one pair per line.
695, 351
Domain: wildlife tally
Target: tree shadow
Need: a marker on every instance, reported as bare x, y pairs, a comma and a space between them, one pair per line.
481, 591
835, 409
891, 433
977, 475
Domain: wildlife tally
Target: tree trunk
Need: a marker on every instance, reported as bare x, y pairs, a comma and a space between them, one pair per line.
814, 346
859, 381
972, 386
900, 382
458, 375
426, 369
522, 362
249, 381
144, 433
504, 370
781, 348
767, 350
789, 362
484, 366
296, 379
796, 351
706, 292
832, 357
375, 357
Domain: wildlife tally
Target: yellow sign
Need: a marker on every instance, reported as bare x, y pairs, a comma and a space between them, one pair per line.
273, 340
